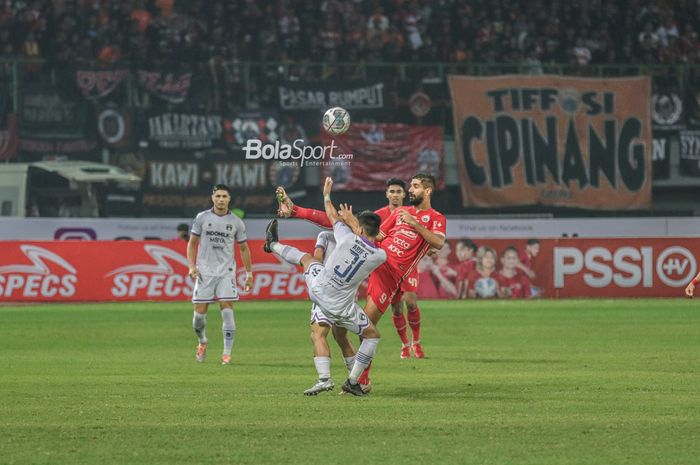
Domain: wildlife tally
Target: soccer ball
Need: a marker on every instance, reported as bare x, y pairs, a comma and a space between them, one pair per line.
336, 121
485, 287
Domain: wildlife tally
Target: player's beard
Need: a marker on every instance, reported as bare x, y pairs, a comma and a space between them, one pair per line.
415, 200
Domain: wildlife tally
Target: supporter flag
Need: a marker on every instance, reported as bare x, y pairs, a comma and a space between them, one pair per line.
552, 140
661, 155
369, 154
690, 153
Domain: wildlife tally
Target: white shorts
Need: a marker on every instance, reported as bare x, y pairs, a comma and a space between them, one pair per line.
356, 322
208, 289
318, 317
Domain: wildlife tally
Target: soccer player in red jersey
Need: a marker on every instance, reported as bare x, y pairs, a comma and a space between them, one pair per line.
395, 193
406, 235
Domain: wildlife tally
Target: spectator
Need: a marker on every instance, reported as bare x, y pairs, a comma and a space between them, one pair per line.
531, 250
481, 282
512, 283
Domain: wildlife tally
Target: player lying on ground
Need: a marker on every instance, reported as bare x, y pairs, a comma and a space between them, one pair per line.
333, 286
405, 236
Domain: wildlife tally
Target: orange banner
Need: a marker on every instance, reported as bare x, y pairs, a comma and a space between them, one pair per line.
552, 140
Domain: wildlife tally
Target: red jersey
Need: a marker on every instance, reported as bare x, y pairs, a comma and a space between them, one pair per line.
383, 213
404, 247
464, 268
525, 259
519, 285
482, 286
427, 289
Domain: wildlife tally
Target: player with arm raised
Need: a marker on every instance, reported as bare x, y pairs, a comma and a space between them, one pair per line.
406, 235
321, 326
212, 265
333, 286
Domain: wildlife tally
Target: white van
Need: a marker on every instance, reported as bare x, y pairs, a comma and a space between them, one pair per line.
57, 188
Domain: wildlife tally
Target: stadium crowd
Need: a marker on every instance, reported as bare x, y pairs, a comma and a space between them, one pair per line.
459, 31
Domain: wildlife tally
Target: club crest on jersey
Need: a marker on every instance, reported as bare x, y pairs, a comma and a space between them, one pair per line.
229, 227
425, 218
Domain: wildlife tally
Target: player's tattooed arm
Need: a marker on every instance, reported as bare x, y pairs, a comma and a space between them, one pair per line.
434, 240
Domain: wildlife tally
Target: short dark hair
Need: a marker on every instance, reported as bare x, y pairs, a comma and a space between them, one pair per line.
370, 222
221, 187
183, 227
468, 243
428, 180
396, 182
533, 241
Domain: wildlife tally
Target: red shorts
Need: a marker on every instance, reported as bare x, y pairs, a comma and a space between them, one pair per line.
383, 286
409, 284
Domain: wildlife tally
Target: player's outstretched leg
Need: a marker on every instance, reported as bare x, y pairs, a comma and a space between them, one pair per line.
285, 206
271, 236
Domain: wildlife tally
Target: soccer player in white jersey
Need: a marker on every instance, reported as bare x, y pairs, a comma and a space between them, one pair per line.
212, 265
321, 326
333, 285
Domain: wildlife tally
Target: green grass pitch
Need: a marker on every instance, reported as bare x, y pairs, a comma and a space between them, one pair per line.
600, 382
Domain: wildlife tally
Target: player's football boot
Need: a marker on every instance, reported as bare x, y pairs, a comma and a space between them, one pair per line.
270, 236
354, 389
201, 352
320, 386
405, 352
284, 203
418, 350
366, 388
225, 359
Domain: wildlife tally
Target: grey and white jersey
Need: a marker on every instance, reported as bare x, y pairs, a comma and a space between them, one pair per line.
352, 260
215, 256
326, 241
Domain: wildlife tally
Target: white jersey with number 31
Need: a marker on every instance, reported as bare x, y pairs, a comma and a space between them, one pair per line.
348, 265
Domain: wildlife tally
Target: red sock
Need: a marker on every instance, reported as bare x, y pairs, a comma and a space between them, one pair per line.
364, 377
414, 323
400, 324
315, 216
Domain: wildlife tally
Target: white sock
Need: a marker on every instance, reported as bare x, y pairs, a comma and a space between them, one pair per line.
323, 367
288, 253
363, 358
349, 362
199, 323
229, 329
